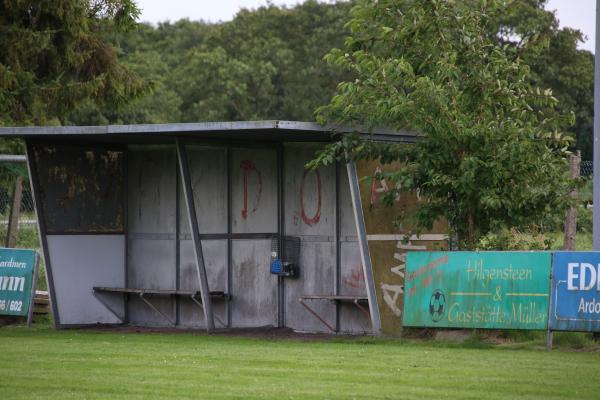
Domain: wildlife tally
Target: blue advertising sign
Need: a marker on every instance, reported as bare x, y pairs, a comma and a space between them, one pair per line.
575, 297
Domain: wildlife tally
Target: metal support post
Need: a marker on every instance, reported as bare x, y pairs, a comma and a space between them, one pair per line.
596, 179
361, 231
193, 220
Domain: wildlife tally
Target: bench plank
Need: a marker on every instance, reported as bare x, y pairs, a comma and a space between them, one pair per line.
165, 292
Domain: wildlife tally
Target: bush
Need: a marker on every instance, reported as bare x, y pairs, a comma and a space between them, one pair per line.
513, 239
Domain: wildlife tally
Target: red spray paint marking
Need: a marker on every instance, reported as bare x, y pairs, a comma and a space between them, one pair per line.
375, 191
356, 280
310, 221
247, 166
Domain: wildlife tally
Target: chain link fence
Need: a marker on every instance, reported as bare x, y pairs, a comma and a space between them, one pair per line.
13, 169
14, 174
26, 212
587, 169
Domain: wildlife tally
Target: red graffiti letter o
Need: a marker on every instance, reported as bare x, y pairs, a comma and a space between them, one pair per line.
310, 221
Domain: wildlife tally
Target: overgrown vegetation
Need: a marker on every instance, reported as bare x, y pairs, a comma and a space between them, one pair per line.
54, 56
492, 154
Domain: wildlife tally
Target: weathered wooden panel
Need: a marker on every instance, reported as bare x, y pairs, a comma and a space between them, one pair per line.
387, 247
80, 187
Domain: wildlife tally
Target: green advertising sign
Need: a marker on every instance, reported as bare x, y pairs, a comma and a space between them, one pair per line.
498, 290
18, 268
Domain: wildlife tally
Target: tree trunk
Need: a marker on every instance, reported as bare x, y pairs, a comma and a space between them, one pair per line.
15, 209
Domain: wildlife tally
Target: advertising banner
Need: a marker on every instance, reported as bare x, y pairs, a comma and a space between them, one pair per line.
497, 290
575, 299
18, 268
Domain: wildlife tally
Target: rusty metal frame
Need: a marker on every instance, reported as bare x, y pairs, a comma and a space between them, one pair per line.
336, 300
364, 247
193, 221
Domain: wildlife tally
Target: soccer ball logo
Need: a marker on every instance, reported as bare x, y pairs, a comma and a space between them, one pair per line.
437, 302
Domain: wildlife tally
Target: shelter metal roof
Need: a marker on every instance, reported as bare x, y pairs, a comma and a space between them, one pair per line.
274, 130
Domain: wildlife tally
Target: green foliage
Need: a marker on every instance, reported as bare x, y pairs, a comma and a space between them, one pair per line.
512, 239
53, 57
265, 64
493, 151
555, 62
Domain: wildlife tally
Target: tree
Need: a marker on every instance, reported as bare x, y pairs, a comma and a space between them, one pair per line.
264, 64
214, 86
555, 62
53, 57
492, 148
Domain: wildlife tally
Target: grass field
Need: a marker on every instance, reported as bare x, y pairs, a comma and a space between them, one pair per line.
43, 363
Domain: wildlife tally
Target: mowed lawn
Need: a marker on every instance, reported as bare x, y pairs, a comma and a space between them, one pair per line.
43, 363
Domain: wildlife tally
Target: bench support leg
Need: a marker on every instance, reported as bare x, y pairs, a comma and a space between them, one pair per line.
316, 315
108, 307
156, 309
364, 311
195, 300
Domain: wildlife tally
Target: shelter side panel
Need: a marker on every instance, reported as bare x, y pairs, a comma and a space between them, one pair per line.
80, 262
254, 190
253, 288
151, 231
80, 187
215, 259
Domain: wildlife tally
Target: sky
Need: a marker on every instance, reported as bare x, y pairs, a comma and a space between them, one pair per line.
579, 14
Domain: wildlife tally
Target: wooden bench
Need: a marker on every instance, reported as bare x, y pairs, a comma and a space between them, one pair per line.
194, 295
358, 301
